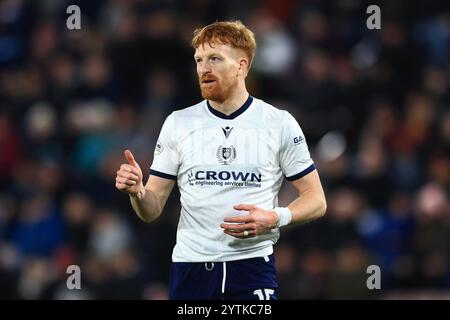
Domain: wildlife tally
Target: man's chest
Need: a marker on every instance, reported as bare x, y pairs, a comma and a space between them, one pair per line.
229, 146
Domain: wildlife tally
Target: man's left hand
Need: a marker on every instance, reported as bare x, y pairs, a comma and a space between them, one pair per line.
258, 221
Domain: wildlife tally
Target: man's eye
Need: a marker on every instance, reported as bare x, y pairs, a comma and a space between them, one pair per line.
214, 59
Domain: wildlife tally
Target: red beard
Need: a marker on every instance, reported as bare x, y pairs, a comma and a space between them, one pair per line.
212, 89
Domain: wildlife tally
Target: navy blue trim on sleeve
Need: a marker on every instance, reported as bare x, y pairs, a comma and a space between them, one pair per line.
163, 175
311, 168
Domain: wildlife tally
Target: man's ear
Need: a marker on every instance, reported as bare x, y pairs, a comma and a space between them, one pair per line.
243, 66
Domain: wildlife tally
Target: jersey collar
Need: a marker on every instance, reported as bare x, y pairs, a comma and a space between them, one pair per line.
233, 115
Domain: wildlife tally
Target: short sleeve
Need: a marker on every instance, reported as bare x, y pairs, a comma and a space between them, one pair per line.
295, 159
165, 158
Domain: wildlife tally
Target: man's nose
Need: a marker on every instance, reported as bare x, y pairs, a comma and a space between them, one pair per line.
204, 68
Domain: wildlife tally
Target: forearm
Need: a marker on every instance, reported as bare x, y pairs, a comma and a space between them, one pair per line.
146, 205
307, 207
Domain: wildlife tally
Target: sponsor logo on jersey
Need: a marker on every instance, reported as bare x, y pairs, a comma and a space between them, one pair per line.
298, 140
224, 178
159, 148
227, 131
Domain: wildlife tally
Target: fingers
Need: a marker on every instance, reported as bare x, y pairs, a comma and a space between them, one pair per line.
125, 181
240, 219
126, 168
127, 176
242, 234
130, 158
123, 173
238, 227
122, 187
246, 207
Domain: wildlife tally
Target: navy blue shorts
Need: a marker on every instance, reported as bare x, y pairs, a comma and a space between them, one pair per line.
249, 279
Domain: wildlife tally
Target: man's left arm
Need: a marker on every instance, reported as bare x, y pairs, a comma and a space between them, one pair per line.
298, 167
311, 203
308, 206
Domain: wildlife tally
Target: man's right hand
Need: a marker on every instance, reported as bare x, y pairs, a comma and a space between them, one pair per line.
129, 177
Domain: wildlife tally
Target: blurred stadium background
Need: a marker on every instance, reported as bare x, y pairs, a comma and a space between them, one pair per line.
374, 105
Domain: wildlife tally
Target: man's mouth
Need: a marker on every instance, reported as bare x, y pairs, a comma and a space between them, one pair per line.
206, 81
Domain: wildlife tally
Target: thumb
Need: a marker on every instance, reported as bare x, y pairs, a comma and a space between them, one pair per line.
245, 207
130, 158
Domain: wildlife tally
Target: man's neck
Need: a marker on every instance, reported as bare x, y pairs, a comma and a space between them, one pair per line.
231, 104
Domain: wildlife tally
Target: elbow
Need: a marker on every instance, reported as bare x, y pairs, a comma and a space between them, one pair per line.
144, 218
322, 208
149, 218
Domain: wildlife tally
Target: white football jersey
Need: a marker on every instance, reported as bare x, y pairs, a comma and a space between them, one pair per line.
220, 161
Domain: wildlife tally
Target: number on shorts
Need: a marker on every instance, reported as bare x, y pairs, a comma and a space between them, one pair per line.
266, 295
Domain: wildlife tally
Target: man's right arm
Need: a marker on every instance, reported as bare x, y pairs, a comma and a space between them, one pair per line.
149, 201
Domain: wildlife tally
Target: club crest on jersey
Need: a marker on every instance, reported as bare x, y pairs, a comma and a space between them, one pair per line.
226, 154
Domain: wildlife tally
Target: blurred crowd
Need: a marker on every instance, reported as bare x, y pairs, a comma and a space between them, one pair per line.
374, 106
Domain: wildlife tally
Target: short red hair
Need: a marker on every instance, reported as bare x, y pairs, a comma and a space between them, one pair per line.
232, 33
